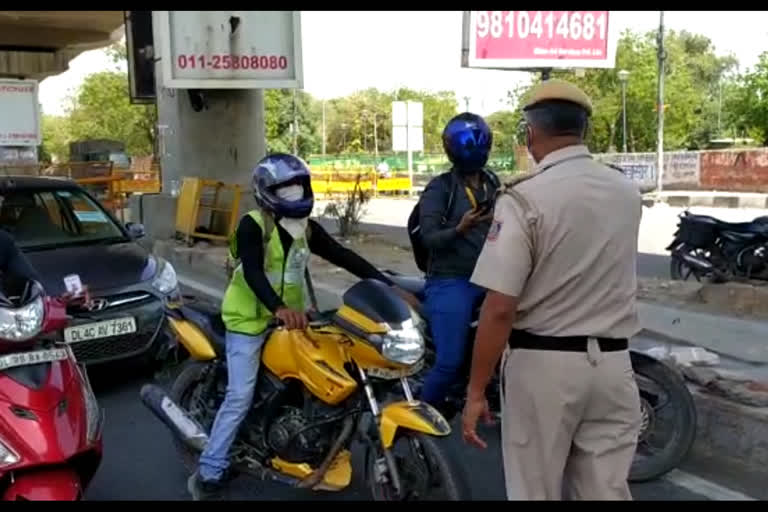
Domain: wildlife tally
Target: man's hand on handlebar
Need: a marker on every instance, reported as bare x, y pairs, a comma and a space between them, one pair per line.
81, 299
291, 318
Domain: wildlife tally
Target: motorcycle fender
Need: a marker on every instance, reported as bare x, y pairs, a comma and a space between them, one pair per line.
193, 339
61, 484
416, 416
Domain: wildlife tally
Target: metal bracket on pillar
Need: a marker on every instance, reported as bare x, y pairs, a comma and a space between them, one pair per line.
197, 99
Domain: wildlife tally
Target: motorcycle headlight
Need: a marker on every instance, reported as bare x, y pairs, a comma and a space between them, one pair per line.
92, 409
165, 281
404, 345
7, 456
24, 323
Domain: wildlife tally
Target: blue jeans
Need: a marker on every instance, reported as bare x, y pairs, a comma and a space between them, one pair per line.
448, 306
243, 358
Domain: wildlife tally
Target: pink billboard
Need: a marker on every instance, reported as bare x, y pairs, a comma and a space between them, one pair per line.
541, 39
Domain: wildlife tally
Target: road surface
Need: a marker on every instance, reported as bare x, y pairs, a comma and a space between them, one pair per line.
140, 461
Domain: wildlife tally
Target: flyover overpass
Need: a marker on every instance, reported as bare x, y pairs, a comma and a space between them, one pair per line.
39, 44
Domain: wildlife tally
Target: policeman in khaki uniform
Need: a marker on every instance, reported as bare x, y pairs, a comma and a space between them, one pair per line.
559, 266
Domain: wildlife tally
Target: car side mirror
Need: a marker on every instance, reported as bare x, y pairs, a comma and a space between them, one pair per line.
135, 230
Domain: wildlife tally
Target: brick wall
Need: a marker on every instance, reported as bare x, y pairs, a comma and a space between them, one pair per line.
734, 171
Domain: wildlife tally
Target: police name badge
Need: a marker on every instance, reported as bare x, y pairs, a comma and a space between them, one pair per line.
493, 231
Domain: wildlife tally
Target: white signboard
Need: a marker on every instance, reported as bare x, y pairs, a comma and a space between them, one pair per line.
407, 126
19, 113
230, 49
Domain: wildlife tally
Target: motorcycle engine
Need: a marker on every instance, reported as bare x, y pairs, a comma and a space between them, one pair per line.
751, 260
294, 439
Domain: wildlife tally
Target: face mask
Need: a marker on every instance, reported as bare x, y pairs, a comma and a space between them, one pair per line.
295, 227
291, 193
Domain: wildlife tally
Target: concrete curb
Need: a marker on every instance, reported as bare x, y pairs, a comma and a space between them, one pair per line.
685, 199
732, 433
733, 337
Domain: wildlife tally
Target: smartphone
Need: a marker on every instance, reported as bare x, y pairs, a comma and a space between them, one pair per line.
485, 206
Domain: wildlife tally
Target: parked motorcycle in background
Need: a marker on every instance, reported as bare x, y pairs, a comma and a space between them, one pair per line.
706, 248
50, 421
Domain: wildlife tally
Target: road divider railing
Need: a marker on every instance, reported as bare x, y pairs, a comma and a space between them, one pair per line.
327, 182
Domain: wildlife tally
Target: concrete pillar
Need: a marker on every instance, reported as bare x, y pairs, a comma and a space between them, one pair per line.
223, 141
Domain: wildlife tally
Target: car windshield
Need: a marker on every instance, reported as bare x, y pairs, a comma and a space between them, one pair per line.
48, 219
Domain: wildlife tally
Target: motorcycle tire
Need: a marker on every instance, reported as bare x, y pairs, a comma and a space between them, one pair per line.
182, 386
442, 462
682, 403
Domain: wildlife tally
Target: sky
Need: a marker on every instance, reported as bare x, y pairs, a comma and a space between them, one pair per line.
422, 50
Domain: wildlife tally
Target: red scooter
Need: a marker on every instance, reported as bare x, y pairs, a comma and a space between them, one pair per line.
50, 422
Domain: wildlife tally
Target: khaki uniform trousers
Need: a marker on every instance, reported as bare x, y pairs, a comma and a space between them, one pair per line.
570, 422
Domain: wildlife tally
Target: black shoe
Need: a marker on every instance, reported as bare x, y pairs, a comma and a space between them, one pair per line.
202, 490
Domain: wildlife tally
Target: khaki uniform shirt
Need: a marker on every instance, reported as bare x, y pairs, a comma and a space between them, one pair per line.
565, 244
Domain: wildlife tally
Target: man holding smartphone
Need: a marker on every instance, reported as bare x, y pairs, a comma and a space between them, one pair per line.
455, 215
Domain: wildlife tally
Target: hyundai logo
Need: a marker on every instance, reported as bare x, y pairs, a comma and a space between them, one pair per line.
98, 304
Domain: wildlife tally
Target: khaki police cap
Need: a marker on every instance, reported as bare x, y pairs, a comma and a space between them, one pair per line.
558, 90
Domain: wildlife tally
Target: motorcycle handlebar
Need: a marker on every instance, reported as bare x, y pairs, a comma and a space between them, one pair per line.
315, 319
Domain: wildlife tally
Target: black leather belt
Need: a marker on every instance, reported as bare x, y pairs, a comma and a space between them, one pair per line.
526, 340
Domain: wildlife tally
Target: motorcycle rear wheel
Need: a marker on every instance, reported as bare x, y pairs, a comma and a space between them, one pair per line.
424, 464
656, 376
181, 393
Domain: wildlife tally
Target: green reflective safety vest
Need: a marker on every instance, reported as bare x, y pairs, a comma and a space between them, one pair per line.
241, 310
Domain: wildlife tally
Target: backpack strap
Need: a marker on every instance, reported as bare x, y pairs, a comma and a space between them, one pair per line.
453, 185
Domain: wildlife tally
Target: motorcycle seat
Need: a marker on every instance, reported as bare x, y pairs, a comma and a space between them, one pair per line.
737, 227
208, 320
414, 285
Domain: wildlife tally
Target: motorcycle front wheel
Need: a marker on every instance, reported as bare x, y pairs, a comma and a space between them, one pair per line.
428, 471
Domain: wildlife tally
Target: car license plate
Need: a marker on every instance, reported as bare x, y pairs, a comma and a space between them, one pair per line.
97, 330
35, 357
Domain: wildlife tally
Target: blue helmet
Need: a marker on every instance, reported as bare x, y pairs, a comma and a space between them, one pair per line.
275, 172
467, 140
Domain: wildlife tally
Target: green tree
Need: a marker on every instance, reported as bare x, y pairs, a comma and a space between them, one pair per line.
350, 120
746, 103
279, 117
693, 74
56, 138
101, 108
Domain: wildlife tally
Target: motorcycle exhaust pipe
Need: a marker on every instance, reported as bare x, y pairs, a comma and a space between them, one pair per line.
181, 424
698, 263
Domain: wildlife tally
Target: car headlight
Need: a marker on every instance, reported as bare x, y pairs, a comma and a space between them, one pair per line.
165, 281
92, 409
404, 345
24, 323
7, 456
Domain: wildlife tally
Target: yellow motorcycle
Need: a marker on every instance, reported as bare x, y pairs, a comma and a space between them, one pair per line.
318, 391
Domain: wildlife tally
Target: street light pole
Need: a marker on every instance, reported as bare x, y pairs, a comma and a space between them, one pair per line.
295, 125
323, 127
623, 75
660, 107
375, 138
